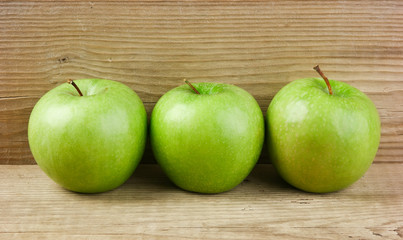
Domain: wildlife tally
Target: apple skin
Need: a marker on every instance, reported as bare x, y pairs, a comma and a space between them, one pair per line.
207, 143
89, 143
320, 142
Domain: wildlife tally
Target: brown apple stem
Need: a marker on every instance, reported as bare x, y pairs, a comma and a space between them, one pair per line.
75, 86
324, 78
190, 85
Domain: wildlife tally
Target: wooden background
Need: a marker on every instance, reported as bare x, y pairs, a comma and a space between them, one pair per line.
152, 45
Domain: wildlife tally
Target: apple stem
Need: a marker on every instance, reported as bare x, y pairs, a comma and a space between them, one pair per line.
324, 78
190, 85
75, 86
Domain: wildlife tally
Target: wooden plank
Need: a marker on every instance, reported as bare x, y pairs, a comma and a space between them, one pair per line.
151, 45
148, 206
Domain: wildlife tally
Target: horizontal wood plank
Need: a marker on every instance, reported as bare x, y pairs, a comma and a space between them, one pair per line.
152, 45
148, 206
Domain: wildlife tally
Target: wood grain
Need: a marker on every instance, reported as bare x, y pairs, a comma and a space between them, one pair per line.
152, 45
148, 206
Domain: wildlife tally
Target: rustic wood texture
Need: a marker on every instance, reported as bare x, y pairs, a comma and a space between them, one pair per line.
152, 45
148, 206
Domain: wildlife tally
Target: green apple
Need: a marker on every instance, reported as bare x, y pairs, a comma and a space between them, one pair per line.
207, 140
90, 143
322, 135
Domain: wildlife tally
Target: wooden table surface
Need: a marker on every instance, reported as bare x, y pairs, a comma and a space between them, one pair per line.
148, 206
151, 46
